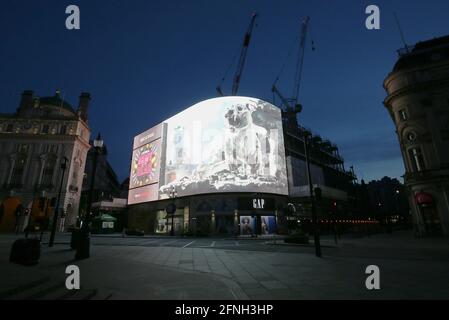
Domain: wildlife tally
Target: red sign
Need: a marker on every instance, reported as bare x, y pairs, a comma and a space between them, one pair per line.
423, 198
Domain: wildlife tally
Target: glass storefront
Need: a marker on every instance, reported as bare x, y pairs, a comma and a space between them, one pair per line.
164, 222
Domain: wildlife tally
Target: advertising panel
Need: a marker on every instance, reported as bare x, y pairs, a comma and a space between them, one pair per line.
247, 225
268, 224
226, 144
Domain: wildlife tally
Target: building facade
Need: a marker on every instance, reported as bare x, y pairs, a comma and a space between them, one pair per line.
34, 142
327, 171
418, 103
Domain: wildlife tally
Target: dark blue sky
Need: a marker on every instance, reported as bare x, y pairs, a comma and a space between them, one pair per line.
144, 61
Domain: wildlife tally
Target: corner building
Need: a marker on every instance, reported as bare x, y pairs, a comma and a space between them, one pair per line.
418, 103
33, 144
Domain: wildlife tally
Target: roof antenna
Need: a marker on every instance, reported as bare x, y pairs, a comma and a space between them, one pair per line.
400, 32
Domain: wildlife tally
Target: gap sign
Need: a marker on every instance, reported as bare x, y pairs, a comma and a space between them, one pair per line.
259, 204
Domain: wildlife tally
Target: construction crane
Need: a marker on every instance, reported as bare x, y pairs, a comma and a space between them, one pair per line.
293, 106
242, 59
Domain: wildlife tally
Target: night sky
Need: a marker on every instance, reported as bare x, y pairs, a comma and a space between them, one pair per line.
143, 61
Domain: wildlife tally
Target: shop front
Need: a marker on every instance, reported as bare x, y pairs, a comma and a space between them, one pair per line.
218, 214
257, 215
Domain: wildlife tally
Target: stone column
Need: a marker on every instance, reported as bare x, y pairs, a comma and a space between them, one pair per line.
41, 173
13, 163
236, 222
186, 218
212, 222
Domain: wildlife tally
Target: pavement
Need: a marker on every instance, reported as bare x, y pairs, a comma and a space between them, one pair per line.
234, 269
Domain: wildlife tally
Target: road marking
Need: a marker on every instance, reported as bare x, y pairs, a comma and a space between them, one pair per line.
189, 244
212, 244
166, 243
235, 296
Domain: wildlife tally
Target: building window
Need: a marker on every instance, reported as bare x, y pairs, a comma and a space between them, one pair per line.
23, 148
9, 127
17, 174
45, 128
411, 136
417, 159
63, 129
403, 115
50, 148
47, 174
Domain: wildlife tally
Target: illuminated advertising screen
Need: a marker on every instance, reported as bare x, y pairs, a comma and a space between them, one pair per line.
226, 144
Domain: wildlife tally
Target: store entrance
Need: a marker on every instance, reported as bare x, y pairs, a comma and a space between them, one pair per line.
225, 224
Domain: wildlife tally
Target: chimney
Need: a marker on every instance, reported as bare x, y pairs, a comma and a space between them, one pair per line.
26, 101
83, 106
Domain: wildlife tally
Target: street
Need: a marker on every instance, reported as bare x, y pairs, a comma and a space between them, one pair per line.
218, 268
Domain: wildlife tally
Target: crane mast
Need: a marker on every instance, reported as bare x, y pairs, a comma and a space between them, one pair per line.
242, 59
300, 61
293, 105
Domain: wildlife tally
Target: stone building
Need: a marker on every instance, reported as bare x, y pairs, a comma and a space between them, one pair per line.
34, 141
418, 103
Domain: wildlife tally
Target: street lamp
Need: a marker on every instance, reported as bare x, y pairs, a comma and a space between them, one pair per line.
83, 249
55, 214
172, 209
316, 235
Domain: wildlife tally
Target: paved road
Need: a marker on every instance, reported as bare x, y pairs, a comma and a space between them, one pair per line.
205, 268
267, 244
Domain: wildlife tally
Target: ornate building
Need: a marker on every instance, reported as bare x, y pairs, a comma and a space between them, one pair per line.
418, 103
34, 142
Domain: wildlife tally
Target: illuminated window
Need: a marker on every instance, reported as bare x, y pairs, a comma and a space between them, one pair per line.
417, 159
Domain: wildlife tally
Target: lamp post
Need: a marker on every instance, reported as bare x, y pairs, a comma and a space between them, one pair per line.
83, 249
172, 210
55, 215
316, 235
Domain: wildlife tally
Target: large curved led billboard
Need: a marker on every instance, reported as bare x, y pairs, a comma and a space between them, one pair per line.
226, 144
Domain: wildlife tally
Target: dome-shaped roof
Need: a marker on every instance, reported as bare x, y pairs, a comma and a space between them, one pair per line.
423, 53
56, 101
